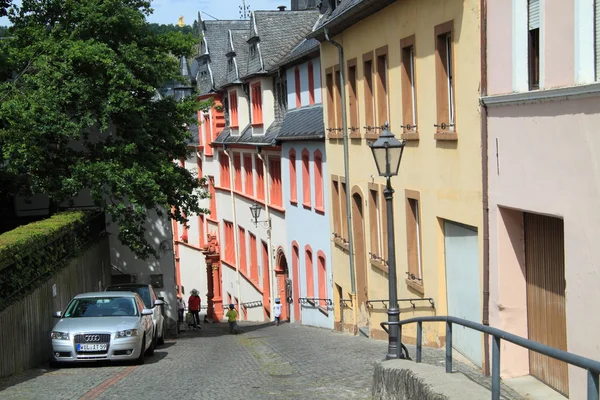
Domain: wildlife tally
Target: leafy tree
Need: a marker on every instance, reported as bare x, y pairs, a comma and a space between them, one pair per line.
79, 111
164, 28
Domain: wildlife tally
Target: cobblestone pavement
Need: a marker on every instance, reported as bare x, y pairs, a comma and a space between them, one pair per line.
263, 362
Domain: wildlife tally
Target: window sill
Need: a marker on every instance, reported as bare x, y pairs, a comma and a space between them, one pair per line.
277, 207
371, 136
320, 210
257, 125
380, 266
214, 221
340, 244
415, 285
234, 127
450, 136
410, 135
307, 206
244, 195
334, 136
294, 203
222, 188
354, 135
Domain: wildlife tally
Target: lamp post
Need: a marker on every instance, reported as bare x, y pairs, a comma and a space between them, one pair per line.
387, 152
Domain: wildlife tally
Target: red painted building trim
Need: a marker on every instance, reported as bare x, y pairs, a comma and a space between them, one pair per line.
308, 264
322, 276
296, 279
293, 177
318, 170
306, 192
311, 84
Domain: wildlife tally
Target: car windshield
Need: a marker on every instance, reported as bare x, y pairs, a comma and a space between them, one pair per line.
101, 307
143, 291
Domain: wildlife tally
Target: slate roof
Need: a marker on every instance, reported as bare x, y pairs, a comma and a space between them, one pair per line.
347, 13
279, 33
240, 45
246, 137
305, 123
216, 36
305, 48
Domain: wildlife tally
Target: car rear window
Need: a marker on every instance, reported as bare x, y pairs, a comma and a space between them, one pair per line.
143, 291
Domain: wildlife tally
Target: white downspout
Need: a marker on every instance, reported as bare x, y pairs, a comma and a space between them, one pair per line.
269, 245
236, 237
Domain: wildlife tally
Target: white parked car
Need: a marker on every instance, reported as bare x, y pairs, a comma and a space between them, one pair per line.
113, 326
152, 302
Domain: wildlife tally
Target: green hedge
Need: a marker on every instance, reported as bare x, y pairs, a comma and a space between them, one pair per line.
31, 253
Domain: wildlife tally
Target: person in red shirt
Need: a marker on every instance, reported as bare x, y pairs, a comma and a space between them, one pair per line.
194, 307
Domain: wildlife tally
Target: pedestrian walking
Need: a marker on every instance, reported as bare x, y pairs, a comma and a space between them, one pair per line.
277, 311
180, 308
232, 319
194, 307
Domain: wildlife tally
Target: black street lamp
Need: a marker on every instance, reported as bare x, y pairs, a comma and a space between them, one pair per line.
387, 152
255, 212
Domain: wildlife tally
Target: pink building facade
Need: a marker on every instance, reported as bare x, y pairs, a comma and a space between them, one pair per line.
543, 161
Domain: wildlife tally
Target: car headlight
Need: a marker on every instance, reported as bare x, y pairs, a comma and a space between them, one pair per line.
127, 333
59, 335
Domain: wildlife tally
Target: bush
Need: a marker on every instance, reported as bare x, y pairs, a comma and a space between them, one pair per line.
31, 253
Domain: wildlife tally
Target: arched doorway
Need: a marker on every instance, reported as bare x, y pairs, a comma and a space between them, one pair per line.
283, 281
360, 263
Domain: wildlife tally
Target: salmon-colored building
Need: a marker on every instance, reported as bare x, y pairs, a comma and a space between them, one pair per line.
543, 111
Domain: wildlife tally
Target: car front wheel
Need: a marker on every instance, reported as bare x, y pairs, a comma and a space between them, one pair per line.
140, 359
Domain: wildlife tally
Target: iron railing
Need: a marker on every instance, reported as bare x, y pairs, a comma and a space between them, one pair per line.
386, 302
592, 366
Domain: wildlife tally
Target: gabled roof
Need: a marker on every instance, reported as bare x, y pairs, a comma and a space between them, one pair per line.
279, 32
240, 46
305, 123
216, 36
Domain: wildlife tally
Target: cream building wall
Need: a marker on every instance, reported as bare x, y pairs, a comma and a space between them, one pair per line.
447, 174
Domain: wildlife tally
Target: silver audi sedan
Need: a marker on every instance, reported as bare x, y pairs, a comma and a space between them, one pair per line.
113, 326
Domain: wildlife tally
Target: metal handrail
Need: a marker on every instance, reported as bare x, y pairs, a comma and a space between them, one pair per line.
385, 302
592, 366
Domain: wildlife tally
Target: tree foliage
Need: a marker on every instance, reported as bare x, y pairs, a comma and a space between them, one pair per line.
164, 28
79, 110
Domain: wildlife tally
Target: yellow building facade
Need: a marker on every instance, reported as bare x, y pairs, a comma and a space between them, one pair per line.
413, 62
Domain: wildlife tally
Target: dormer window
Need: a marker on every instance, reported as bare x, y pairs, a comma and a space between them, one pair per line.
203, 74
253, 50
230, 65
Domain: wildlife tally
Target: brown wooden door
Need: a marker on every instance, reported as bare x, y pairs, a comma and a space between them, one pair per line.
546, 316
360, 259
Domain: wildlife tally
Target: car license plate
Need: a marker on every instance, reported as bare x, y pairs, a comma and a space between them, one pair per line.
92, 347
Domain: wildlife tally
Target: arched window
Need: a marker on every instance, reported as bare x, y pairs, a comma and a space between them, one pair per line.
306, 178
296, 276
318, 162
310, 280
322, 277
293, 178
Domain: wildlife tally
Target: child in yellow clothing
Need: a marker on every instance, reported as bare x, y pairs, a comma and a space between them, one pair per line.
232, 318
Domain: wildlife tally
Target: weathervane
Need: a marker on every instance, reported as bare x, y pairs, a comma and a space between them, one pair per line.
244, 10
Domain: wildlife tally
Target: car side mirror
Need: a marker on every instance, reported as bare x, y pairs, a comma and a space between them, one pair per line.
57, 314
159, 302
147, 311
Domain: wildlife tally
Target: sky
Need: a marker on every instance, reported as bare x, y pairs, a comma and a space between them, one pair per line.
169, 11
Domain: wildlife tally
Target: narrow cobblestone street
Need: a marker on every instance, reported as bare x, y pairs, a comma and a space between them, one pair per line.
263, 362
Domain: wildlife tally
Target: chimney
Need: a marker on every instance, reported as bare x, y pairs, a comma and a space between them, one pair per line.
281, 8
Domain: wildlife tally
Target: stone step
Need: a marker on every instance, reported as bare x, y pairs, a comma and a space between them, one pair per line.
403, 379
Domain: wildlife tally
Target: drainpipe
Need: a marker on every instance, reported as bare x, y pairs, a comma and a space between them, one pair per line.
484, 177
346, 171
268, 215
235, 226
